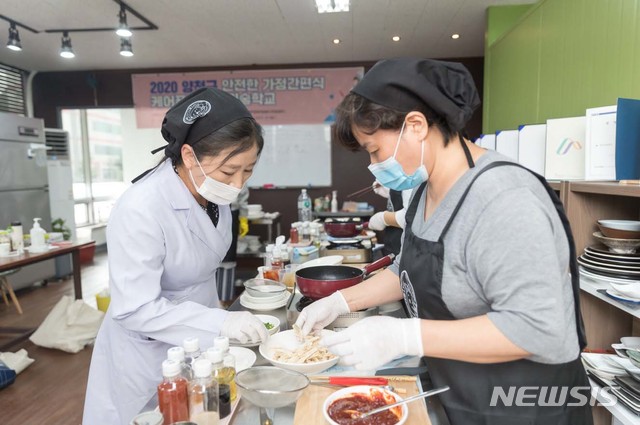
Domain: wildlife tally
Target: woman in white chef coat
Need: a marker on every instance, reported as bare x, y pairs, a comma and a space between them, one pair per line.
166, 237
487, 268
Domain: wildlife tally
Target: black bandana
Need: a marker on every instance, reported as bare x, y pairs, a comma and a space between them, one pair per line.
404, 84
197, 115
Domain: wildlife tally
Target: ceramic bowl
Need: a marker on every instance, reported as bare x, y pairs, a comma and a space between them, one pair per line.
630, 290
620, 246
265, 318
390, 397
620, 229
289, 341
631, 341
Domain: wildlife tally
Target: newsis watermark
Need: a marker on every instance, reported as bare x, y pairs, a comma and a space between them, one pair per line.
551, 396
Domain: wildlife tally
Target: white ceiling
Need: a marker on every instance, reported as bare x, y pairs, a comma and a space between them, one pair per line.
208, 33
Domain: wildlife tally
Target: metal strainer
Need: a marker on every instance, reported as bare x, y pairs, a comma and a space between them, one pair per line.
269, 388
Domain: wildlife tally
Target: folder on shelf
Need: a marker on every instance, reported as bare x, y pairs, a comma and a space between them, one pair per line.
627, 143
487, 141
564, 159
600, 144
507, 143
532, 146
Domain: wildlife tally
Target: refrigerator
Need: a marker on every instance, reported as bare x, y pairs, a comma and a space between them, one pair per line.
24, 186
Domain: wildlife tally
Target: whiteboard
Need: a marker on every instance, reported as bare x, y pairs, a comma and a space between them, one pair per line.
294, 156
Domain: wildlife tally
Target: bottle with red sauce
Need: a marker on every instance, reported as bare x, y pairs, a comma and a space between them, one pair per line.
172, 394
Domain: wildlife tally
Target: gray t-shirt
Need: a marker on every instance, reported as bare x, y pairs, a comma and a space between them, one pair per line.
507, 256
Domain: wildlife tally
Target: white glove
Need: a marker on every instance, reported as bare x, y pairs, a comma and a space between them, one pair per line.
401, 217
374, 341
380, 189
244, 327
376, 222
322, 312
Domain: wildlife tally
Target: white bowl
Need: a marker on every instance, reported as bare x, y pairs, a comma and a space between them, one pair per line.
265, 318
628, 225
331, 260
629, 290
254, 208
264, 288
242, 246
289, 341
630, 341
362, 389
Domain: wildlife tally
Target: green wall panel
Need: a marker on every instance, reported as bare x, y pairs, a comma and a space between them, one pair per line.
588, 55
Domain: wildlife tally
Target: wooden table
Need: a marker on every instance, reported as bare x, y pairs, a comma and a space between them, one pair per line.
9, 263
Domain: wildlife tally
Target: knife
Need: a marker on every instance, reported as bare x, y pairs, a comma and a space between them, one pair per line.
411, 371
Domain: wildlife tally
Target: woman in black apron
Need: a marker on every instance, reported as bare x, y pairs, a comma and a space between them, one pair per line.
494, 384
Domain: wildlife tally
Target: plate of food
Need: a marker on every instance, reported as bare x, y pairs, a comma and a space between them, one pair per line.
290, 350
343, 406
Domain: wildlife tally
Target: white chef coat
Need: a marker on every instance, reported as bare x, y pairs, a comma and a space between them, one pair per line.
163, 252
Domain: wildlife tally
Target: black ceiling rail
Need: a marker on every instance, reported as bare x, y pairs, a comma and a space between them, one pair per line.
19, 24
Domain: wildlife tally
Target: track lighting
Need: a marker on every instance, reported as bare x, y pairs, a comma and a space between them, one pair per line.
123, 29
66, 50
125, 47
14, 38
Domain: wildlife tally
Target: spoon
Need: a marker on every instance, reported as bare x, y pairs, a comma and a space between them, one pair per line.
359, 415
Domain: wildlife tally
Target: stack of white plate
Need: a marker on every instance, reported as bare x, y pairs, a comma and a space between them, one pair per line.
264, 303
620, 271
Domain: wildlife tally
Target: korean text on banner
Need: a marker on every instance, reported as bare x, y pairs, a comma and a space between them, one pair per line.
274, 97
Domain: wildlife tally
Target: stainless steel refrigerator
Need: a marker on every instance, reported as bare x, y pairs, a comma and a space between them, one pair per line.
24, 186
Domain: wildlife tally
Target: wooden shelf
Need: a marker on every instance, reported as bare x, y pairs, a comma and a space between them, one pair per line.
606, 188
592, 287
555, 184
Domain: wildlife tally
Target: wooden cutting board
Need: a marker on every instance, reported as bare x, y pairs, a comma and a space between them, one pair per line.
309, 406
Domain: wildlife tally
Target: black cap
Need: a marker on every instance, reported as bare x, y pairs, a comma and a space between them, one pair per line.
404, 84
197, 115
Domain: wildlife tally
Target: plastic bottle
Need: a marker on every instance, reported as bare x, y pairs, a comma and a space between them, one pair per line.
37, 236
229, 363
203, 395
216, 357
304, 207
172, 394
305, 235
334, 201
17, 237
191, 350
268, 255
294, 235
177, 354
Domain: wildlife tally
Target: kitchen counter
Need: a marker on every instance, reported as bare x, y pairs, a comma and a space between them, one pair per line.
248, 414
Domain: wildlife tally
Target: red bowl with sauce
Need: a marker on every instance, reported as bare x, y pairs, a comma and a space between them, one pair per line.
363, 398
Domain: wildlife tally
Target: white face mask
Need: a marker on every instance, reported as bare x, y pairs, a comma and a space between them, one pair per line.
214, 191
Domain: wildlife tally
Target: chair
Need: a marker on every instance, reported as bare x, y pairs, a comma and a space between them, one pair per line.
5, 287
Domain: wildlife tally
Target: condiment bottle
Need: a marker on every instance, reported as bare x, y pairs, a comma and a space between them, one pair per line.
229, 363
268, 255
203, 395
191, 350
334, 201
37, 236
216, 357
294, 235
17, 237
172, 394
177, 354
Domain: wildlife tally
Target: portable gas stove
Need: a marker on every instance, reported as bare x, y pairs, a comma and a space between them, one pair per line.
354, 251
297, 302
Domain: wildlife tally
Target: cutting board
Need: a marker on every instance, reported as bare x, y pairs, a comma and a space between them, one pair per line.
309, 406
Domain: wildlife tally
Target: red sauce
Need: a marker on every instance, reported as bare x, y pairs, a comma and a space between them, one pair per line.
339, 409
172, 399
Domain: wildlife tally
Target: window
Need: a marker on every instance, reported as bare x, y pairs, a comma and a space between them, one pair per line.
95, 147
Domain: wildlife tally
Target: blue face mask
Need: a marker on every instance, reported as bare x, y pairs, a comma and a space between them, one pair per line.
390, 173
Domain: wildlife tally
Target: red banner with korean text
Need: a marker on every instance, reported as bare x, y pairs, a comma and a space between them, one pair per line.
274, 97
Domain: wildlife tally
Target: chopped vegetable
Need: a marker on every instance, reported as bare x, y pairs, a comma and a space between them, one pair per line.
268, 325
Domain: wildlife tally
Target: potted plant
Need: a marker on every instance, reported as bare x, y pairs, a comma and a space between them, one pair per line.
58, 226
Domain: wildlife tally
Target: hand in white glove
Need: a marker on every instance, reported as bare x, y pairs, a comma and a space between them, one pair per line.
374, 341
322, 312
380, 189
244, 327
376, 222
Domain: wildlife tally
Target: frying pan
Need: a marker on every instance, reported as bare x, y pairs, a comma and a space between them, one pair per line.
321, 281
344, 229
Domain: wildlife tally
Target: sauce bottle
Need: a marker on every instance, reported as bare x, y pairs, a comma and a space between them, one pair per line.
177, 354
203, 395
191, 350
216, 357
172, 394
229, 363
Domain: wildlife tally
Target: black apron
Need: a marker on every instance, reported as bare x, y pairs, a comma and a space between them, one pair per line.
393, 235
472, 385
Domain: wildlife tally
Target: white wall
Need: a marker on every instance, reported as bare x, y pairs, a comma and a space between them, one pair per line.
137, 146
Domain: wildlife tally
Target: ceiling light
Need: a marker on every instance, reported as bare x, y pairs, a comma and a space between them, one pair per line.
336, 41
66, 51
14, 38
123, 29
125, 47
330, 6
396, 38
455, 36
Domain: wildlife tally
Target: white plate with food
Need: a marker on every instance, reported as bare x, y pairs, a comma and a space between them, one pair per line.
286, 350
340, 406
